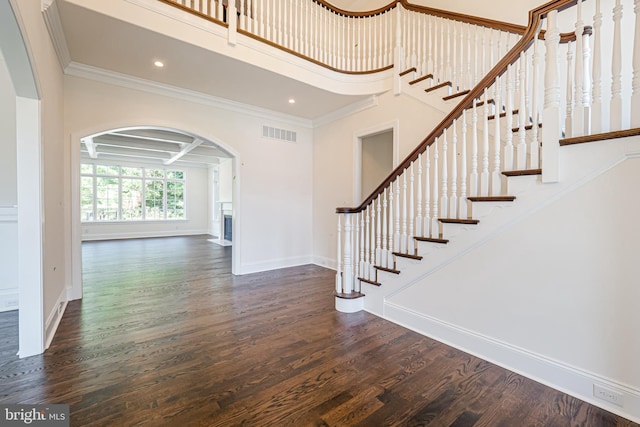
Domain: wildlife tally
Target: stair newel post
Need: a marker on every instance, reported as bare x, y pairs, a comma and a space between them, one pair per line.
232, 21
419, 198
473, 176
484, 176
496, 175
508, 148
534, 146
435, 224
462, 204
453, 199
362, 268
347, 277
568, 119
444, 177
635, 81
426, 229
586, 81
339, 257
616, 71
356, 248
551, 111
403, 238
375, 252
410, 231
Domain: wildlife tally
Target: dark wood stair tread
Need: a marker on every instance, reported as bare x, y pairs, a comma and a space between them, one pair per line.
388, 270
422, 78
410, 256
352, 295
431, 240
458, 221
371, 282
523, 172
503, 114
481, 103
492, 199
600, 136
438, 86
527, 127
410, 70
455, 95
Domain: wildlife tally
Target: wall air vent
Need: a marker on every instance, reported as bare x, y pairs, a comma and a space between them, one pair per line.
280, 134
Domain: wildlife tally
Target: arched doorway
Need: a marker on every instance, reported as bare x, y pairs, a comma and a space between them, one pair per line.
28, 183
134, 159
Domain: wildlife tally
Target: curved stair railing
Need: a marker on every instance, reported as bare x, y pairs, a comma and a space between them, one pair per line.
493, 132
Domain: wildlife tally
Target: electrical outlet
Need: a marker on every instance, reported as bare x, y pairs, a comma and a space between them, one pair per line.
609, 395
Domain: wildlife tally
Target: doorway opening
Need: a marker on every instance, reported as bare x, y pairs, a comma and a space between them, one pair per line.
376, 157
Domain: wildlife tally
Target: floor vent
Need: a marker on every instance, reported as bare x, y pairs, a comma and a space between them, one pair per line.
281, 134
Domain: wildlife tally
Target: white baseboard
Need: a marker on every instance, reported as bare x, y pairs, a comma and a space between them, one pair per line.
274, 264
142, 234
324, 262
555, 374
9, 299
53, 320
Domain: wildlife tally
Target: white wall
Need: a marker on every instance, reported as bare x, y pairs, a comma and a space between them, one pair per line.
197, 208
554, 295
335, 148
8, 172
272, 208
9, 292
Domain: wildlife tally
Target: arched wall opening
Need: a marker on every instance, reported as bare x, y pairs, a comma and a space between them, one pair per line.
230, 160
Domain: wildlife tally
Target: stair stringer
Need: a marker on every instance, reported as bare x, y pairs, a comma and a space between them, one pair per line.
580, 165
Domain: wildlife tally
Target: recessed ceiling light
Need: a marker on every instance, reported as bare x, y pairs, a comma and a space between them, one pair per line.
292, 101
158, 64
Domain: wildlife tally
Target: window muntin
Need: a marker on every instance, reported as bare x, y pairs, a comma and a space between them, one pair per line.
127, 193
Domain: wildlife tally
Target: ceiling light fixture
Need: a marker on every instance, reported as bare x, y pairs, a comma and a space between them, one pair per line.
292, 101
158, 64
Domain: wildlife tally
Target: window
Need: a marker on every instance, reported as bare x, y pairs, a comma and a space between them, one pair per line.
124, 193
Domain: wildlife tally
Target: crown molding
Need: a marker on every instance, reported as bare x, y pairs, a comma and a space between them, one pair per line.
54, 26
110, 77
356, 107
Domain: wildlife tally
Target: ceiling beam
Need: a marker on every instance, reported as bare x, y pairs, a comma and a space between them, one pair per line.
91, 147
196, 142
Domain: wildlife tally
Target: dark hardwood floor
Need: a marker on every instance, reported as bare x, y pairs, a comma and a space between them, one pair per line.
166, 336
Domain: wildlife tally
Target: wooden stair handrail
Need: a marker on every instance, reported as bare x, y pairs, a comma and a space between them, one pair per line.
535, 21
476, 20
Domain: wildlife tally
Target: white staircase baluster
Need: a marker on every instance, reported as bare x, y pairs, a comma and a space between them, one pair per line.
396, 233
431, 36
597, 121
616, 71
435, 224
635, 81
414, 40
508, 147
568, 119
356, 249
379, 254
577, 121
521, 148
386, 240
534, 145
442, 69
426, 229
410, 232
470, 78
444, 178
374, 236
484, 176
453, 196
551, 112
418, 228
390, 248
403, 238
368, 248
454, 53
473, 176
496, 175
462, 204
586, 82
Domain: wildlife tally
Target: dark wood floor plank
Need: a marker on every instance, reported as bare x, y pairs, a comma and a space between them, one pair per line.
167, 336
